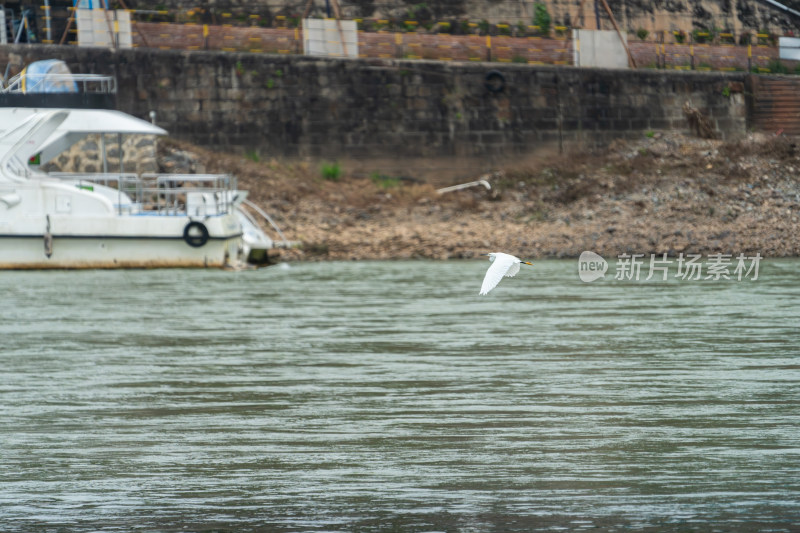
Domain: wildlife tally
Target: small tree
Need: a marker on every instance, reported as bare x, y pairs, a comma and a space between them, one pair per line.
541, 18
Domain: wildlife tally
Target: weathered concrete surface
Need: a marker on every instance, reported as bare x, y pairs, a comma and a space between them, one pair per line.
736, 16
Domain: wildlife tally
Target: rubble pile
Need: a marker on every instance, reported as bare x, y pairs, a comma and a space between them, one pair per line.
663, 193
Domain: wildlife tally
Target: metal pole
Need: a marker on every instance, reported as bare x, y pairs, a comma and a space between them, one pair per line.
103, 150
22, 24
596, 15
47, 22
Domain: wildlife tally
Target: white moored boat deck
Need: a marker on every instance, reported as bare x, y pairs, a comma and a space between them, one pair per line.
113, 220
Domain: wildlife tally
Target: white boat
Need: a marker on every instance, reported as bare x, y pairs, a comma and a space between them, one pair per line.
112, 219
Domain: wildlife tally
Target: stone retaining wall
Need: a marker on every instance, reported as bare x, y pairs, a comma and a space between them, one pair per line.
399, 111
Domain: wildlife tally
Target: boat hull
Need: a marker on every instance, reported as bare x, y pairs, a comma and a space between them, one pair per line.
126, 242
109, 220
29, 253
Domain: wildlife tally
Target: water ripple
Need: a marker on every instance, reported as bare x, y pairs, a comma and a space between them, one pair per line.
388, 395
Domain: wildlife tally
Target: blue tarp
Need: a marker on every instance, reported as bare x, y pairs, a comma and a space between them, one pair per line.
48, 76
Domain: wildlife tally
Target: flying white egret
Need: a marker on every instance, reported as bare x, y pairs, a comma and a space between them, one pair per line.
502, 265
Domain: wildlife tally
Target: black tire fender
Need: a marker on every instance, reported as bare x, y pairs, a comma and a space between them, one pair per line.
195, 234
494, 81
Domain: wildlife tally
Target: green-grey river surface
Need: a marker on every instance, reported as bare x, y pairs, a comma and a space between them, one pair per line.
375, 396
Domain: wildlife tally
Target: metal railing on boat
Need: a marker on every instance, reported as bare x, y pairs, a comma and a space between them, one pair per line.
68, 83
201, 195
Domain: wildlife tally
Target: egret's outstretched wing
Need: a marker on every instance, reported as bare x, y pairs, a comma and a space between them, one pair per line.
498, 269
513, 269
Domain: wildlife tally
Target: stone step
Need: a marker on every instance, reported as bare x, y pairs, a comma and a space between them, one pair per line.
777, 101
767, 118
778, 112
780, 95
787, 89
770, 120
784, 128
777, 122
792, 96
767, 114
777, 106
769, 111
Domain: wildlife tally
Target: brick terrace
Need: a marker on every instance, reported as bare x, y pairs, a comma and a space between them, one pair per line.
446, 47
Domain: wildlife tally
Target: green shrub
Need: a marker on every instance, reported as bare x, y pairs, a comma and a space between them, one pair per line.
541, 18
331, 171
383, 181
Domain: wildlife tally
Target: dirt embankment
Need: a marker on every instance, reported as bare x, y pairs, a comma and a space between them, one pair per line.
665, 193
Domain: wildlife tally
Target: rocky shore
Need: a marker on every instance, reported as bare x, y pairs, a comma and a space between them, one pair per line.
663, 193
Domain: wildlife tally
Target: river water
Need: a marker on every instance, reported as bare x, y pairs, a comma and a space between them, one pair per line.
374, 396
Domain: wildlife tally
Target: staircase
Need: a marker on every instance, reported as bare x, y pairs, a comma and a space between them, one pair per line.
776, 105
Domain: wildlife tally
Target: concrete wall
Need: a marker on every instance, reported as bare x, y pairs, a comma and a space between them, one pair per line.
402, 112
600, 48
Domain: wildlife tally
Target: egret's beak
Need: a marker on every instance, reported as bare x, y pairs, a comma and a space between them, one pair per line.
526, 263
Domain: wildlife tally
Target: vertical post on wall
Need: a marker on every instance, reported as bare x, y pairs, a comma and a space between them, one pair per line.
488, 47
119, 147
3, 36
398, 41
103, 152
596, 15
659, 40
47, 22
